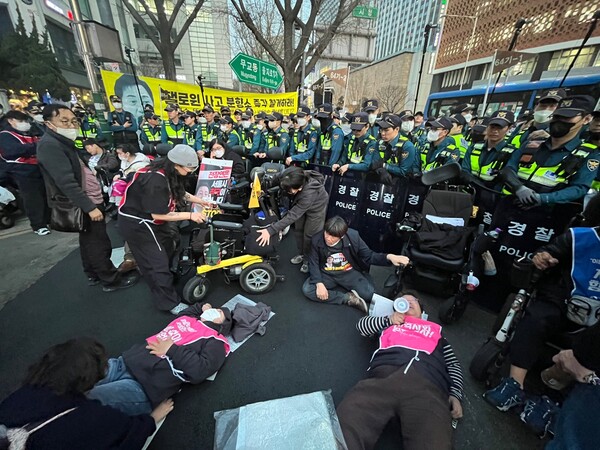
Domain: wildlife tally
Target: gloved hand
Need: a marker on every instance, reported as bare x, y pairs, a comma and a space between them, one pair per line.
384, 176
378, 164
527, 196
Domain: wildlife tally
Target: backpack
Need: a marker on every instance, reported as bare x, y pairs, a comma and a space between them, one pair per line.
16, 438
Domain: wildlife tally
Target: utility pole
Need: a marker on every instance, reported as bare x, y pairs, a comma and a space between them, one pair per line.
426, 33
128, 52
84, 46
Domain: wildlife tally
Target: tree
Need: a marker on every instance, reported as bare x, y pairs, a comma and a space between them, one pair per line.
36, 68
291, 57
391, 97
161, 29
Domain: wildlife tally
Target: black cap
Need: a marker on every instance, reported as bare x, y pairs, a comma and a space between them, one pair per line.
390, 121
359, 120
324, 111
419, 113
303, 111
148, 107
553, 95
148, 115
502, 118
226, 119
172, 107
463, 107
441, 122
261, 115
596, 114
525, 114
225, 110
335, 114
246, 116
115, 98
207, 108
458, 119
237, 112
575, 105
250, 111
370, 105
188, 114
274, 116
406, 114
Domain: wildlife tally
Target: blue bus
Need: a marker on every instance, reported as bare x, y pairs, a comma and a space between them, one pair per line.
512, 96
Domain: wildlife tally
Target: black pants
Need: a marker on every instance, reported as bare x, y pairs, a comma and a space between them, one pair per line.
420, 406
153, 257
32, 191
306, 227
96, 248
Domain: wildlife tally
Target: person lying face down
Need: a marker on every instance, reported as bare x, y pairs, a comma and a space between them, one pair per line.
188, 350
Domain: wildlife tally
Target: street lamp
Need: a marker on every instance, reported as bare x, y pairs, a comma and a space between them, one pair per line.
474, 19
426, 33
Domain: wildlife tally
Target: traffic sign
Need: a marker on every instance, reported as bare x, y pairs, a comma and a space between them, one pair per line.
365, 12
254, 71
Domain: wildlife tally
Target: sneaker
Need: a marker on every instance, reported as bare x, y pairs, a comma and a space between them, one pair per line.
177, 309
506, 395
42, 231
121, 283
93, 281
357, 302
297, 259
304, 268
538, 414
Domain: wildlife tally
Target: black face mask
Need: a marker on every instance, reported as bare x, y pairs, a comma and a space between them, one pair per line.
560, 129
594, 136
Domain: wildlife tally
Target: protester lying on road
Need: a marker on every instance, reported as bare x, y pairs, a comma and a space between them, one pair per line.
189, 350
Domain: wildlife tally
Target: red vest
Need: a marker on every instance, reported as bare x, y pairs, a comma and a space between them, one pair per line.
23, 140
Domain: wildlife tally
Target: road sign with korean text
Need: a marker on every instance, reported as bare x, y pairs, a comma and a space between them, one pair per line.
254, 71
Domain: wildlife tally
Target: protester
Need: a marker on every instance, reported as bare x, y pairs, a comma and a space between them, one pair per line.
307, 212
52, 402
412, 377
339, 263
219, 149
100, 158
188, 351
147, 207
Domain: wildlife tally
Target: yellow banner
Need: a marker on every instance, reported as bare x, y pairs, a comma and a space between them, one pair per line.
159, 93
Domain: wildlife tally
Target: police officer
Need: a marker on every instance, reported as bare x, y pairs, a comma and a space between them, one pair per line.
305, 141
34, 110
209, 128
466, 110
151, 133
122, 123
148, 108
361, 147
237, 117
331, 143
88, 129
538, 127
229, 133
275, 136
558, 169
439, 148
191, 130
173, 131
459, 123
371, 107
407, 124
397, 155
593, 142
252, 137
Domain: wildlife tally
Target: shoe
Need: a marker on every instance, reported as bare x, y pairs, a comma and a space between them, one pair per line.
297, 259
42, 231
357, 302
121, 283
538, 414
127, 266
304, 268
177, 309
93, 281
506, 395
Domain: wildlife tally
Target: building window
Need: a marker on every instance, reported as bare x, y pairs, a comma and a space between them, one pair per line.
65, 50
524, 68
6, 25
84, 8
563, 58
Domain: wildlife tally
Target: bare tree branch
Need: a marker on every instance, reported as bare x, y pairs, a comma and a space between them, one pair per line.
142, 23
147, 9
188, 22
176, 8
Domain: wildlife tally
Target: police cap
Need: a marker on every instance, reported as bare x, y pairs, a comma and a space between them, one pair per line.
552, 96
187, 114
115, 98
503, 118
324, 111
526, 114
442, 122
261, 116
274, 116
303, 111
406, 115
225, 120
150, 115
458, 119
390, 121
246, 116
575, 105
463, 107
370, 105
359, 120
172, 107
225, 110
207, 108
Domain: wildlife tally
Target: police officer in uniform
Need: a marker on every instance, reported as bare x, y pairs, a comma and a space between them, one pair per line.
361, 147
439, 148
88, 129
276, 136
593, 142
397, 155
173, 130
558, 169
407, 125
456, 133
305, 141
191, 130
151, 133
34, 110
252, 137
331, 143
122, 123
371, 107
466, 110
229, 133
209, 128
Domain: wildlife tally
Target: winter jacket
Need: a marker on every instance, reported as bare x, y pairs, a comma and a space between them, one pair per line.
247, 320
18, 151
109, 163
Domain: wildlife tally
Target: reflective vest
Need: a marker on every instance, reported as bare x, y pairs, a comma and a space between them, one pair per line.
439, 160
83, 135
392, 157
236, 133
460, 143
174, 136
273, 138
326, 138
302, 146
153, 137
593, 148
357, 155
248, 134
208, 133
190, 135
490, 170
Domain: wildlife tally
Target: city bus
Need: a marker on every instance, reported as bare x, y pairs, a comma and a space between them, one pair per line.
511, 96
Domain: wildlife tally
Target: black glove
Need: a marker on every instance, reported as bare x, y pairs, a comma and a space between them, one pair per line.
384, 176
378, 164
510, 177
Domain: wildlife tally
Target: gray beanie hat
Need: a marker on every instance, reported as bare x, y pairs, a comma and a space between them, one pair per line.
184, 155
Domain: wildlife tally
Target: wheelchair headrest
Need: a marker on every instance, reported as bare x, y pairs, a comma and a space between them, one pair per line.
272, 168
257, 171
239, 149
163, 149
444, 173
149, 149
275, 153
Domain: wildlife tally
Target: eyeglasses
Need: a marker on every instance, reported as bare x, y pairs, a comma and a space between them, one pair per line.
73, 122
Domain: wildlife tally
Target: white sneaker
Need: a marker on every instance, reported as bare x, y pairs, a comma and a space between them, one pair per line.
177, 309
42, 231
297, 259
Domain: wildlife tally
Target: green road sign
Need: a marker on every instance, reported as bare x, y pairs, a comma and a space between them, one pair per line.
254, 71
365, 12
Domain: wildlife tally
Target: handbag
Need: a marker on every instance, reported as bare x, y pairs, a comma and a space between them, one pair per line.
67, 217
583, 310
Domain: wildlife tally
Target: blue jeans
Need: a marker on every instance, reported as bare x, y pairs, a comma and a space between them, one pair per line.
577, 426
120, 390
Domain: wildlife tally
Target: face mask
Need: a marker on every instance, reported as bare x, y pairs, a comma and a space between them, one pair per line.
285, 126
301, 121
123, 157
69, 133
346, 129
219, 153
260, 126
202, 120
23, 126
468, 117
272, 125
316, 123
38, 118
594, 136
118, 105
224, 128
433, 136
560, 129
372, 118
246, 123
408, 126
210, 315
542, 116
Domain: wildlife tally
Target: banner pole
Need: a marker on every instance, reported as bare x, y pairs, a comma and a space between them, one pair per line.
487, 88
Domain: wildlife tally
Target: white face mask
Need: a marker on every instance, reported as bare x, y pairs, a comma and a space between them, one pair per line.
219, 153
23, 126
123, 157
433, 136
260, 126
202, 120
301, 121
408, 126
246, 123
285, 126
372, 118
38, 118
468, 117
118, 105
316, 123
224, 128
346, 129
69, 133
542, 116
210, 315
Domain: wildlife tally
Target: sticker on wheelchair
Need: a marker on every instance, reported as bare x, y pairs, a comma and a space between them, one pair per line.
211, 212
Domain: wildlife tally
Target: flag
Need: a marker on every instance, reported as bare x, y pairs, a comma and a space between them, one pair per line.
256, 189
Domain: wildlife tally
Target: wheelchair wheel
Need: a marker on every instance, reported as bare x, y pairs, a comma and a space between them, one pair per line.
450, 311
258, 278
196, 289
7, 221
484, 360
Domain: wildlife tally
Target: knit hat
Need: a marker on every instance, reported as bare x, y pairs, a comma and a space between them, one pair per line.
184, 155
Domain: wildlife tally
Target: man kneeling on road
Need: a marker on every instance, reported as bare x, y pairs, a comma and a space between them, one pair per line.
339, 265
